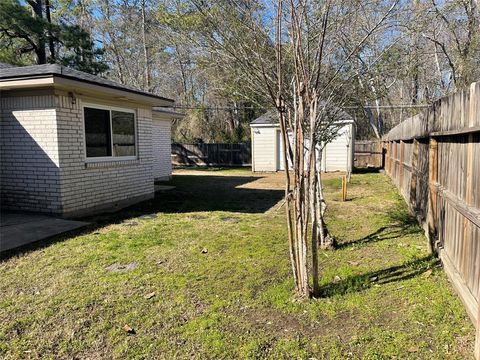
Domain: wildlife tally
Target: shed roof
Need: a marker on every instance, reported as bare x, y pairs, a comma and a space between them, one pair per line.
9, 73
271, 117
268, 118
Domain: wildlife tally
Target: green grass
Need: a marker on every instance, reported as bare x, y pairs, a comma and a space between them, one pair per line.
58, 300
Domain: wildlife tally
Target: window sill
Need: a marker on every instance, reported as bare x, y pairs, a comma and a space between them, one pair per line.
107, 163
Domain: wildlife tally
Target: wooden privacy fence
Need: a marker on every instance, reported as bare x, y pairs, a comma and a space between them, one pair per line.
434, 160
212, 154
368, 154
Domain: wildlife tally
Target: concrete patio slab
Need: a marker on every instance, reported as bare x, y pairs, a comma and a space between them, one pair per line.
18, 229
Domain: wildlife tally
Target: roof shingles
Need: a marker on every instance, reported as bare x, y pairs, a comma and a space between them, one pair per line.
45, 70
6, 66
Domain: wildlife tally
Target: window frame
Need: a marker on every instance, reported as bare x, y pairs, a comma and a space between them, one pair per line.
110, 109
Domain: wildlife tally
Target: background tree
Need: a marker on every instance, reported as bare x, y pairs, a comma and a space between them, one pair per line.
29, 29
424, 50
430, 49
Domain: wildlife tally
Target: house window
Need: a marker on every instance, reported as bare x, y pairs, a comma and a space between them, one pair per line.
97, 132
109, 133
123, 130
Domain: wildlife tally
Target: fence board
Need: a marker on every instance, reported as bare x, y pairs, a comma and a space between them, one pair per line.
434, 160
212, 154
368, 154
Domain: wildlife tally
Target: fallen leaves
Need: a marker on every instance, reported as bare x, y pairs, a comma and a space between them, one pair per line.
428, 273
149, 295
128, 329
413, 349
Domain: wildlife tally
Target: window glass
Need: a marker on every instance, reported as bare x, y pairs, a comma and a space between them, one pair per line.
123, 129
97, 132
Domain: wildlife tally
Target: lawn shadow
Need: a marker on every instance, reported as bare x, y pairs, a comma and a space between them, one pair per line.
198, 193
210, 168
368, 170
364, 281
192, 193
400, 224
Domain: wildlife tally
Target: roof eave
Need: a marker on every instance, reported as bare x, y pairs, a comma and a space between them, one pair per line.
25, 82
49, 79
118, 93
167, 115
252, 124
264, 125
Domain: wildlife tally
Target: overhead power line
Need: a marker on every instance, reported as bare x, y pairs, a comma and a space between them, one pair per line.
347, 107
399, 106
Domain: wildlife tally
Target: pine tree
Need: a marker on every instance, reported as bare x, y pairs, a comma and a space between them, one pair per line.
27, 29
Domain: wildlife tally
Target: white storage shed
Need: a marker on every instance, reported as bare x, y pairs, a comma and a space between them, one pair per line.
267, 145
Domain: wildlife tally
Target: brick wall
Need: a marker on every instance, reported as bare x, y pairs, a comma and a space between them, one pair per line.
29, 155
93, 187
162, 149
43, 165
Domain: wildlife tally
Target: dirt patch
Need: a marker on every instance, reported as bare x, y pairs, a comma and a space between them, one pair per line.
230, 218
148, 216
343, 324
116, 267
198, 217
271, 181
277, 180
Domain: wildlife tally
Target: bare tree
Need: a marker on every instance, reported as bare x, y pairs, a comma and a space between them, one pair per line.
309, 119
292, 60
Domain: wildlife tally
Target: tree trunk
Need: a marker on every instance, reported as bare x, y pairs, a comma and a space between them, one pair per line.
368, 111
326, 241
312, 178
51, 42
40, 52
288, 193
300, 208
145, 49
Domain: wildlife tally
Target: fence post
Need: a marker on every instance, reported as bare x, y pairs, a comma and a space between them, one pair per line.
389, 157
402, 170
432, 193
383, 150
394, 162
469, 200
413, 179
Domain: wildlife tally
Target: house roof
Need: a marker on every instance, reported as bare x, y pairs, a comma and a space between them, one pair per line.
168, 113
271, 117
9, 73
5, 66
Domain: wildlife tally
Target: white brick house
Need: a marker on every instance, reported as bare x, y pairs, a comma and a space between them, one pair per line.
74, 144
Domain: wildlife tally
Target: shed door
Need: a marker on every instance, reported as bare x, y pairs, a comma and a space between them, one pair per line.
337, 151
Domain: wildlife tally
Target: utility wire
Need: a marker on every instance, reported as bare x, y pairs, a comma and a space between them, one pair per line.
349, 107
